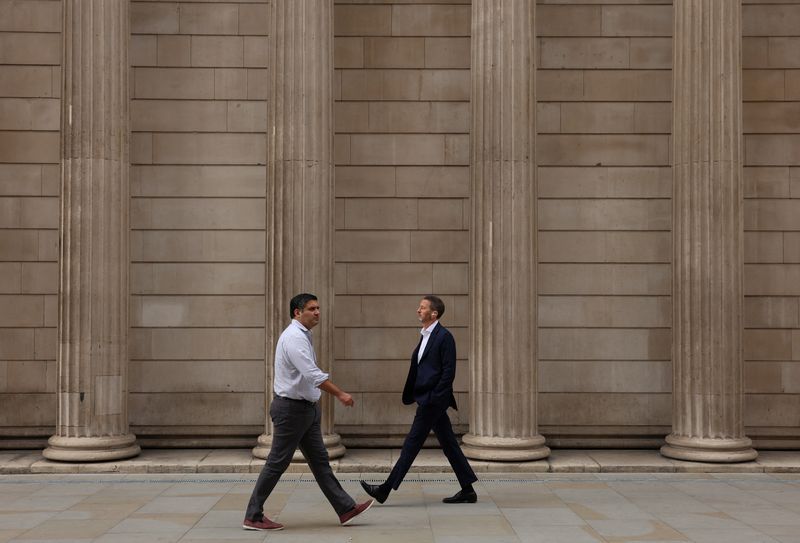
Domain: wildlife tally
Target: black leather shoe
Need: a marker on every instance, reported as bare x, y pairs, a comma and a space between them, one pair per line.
375, 491
462, 496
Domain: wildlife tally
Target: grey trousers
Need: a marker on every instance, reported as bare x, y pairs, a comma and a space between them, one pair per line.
297, 423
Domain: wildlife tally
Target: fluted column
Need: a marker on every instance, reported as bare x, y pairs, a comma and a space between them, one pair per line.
93, 258
300, 185
707, 423
503, 235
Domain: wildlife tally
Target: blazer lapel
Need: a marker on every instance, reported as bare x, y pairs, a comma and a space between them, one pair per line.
430, 342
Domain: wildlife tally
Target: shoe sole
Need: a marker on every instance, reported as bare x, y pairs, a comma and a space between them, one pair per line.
376, 498
358, 515
253, 529
460, 501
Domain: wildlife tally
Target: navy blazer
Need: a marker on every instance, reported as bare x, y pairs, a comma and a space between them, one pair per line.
430, 381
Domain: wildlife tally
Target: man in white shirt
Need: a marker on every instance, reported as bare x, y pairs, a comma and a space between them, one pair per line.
430, 384
295, 414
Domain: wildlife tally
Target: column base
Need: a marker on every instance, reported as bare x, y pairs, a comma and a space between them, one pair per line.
91, 449
504, 449
699, 449
333, 444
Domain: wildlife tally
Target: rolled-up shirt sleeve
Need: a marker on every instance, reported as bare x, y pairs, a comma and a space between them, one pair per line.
301, 357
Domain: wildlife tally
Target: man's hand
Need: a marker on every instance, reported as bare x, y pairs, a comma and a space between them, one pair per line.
333, 390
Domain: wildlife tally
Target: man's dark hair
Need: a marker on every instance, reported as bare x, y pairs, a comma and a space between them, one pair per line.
436, 304
299, 302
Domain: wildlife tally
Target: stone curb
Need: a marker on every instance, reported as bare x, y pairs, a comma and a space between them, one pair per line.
430, 461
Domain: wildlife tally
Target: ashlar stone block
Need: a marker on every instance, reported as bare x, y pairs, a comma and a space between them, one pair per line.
40, 277
154, 18
365, 181
197, 213
771, 117
628, 85
430, 20
385, 278
771, 19
26, 81
167, 83
30, 48
433, 181
566, 20
763, 247
381, 214
447, 53
30, 16
174, 50
609, 279
763, 85
372, 246
197, 278
391, 52
29, 114
348, 53
637, 20
230, 84
217, 51
178, 116
772, 312
215, 19
641, 247
253, 19
362, 20
197, 246
604, 311
199, 311
584, 53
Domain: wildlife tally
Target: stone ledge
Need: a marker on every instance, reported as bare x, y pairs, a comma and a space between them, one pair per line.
382, 460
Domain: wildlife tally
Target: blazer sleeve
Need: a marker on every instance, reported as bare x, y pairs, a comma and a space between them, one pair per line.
443, 390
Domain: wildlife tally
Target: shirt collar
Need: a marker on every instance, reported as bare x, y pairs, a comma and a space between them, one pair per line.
429, 329
300, 325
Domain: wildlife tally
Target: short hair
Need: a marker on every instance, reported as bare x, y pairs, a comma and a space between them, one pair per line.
436, 304
299, 302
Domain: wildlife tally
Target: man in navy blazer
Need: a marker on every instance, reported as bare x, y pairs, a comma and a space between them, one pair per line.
430, 384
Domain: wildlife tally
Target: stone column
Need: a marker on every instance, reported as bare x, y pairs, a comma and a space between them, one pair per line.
503, 235
300, 185
93, 258
707, 423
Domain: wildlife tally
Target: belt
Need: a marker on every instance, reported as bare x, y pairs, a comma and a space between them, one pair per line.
306, 402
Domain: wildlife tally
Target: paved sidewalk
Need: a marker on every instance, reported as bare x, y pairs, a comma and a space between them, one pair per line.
382, 460
546, 507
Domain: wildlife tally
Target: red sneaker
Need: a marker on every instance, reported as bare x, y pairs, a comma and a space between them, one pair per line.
348, 517
264, 525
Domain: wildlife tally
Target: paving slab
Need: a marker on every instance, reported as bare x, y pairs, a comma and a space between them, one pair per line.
519, 507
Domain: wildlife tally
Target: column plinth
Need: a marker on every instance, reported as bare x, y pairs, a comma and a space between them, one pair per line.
503, 235
299, 240
93, 250
707, 292
698, 449
91, 449
513, 449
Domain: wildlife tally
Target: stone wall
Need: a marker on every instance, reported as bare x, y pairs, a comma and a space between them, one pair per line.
198, 117
604, 91
30, 91
402, 186
402, 120
771, 126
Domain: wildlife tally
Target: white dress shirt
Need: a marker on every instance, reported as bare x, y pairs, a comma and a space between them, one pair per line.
426, 334
296, 373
